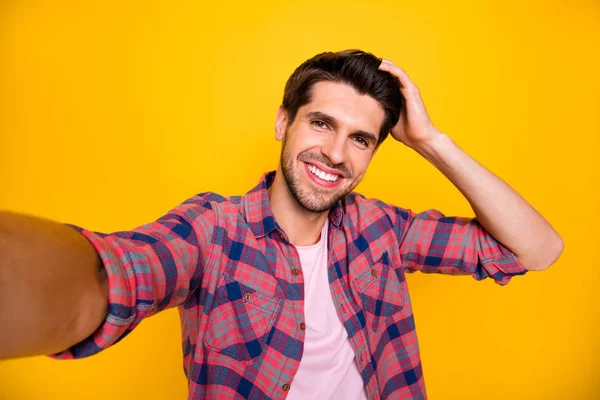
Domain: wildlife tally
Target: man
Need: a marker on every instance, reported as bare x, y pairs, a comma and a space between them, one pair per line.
296, 289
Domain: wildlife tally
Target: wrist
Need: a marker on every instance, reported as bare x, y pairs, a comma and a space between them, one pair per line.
444, 154
435, 144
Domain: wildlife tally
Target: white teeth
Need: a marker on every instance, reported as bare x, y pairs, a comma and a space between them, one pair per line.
322, 174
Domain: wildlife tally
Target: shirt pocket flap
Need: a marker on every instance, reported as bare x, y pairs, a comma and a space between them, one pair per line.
240, 320
380, 291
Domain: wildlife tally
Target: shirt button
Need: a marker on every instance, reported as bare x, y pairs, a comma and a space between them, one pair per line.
373, 272
286, 387
248, 296
302, 326
295, 271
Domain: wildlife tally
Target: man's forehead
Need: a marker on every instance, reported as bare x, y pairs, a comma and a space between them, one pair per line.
342, 102
325, 89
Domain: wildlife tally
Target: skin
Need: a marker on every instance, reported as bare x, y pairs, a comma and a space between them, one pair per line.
300, 204
337, 132
53, 291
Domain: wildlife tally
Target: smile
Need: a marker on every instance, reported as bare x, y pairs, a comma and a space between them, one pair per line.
324, 176
321, 174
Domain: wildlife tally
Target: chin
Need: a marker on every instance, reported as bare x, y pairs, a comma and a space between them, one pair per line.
312, 199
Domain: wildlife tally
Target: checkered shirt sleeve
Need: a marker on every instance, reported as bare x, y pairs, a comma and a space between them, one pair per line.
434, 243
150, 268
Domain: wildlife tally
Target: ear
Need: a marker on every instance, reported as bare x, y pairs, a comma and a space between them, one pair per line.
280, 123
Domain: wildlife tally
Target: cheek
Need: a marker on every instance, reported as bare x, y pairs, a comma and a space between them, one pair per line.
360, 164
302, 140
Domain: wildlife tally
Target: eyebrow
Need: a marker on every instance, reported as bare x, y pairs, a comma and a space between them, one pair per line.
328, 119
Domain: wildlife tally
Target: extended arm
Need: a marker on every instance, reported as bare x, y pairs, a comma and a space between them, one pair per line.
69, 292
52, 288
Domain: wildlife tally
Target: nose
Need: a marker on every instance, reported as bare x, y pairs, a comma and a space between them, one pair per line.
334, 149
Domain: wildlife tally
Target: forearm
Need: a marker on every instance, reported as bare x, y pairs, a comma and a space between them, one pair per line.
52, 291
498, 207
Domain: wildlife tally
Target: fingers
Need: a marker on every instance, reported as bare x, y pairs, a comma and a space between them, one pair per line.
398, 72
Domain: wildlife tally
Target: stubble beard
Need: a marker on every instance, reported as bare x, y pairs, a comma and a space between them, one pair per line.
317, 200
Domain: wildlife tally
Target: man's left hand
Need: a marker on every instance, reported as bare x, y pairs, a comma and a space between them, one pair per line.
414, 128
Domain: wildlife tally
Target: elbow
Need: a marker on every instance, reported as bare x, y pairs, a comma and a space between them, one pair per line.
91, 311
94, 308
554, 250
547, 255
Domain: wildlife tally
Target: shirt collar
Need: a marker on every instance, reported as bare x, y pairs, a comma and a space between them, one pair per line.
257, 208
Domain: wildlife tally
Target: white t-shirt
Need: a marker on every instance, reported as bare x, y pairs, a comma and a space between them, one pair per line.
327, 368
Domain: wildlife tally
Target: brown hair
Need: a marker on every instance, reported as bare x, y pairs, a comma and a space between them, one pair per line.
356, 68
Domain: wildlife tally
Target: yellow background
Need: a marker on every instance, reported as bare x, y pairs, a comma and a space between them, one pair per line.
113, 112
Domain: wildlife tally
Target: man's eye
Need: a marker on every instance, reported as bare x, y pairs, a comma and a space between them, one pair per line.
361, 141
319, 124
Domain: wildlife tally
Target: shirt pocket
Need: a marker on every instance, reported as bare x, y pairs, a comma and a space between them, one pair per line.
380, 292
240, 320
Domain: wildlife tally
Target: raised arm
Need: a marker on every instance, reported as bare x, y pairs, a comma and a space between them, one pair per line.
498, 208
53, 291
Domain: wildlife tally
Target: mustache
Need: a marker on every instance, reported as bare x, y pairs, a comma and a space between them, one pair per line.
320, 158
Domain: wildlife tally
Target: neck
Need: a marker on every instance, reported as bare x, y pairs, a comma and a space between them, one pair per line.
302, 227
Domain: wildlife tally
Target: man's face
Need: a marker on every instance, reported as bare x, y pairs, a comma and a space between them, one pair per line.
328, 147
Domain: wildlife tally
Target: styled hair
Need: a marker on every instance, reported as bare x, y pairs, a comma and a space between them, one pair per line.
355, 68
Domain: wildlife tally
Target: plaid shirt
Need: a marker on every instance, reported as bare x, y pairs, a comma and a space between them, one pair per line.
238, 283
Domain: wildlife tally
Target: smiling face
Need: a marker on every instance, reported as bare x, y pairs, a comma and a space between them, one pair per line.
329, 145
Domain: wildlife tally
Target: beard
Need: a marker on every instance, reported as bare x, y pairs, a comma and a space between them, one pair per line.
316, 200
